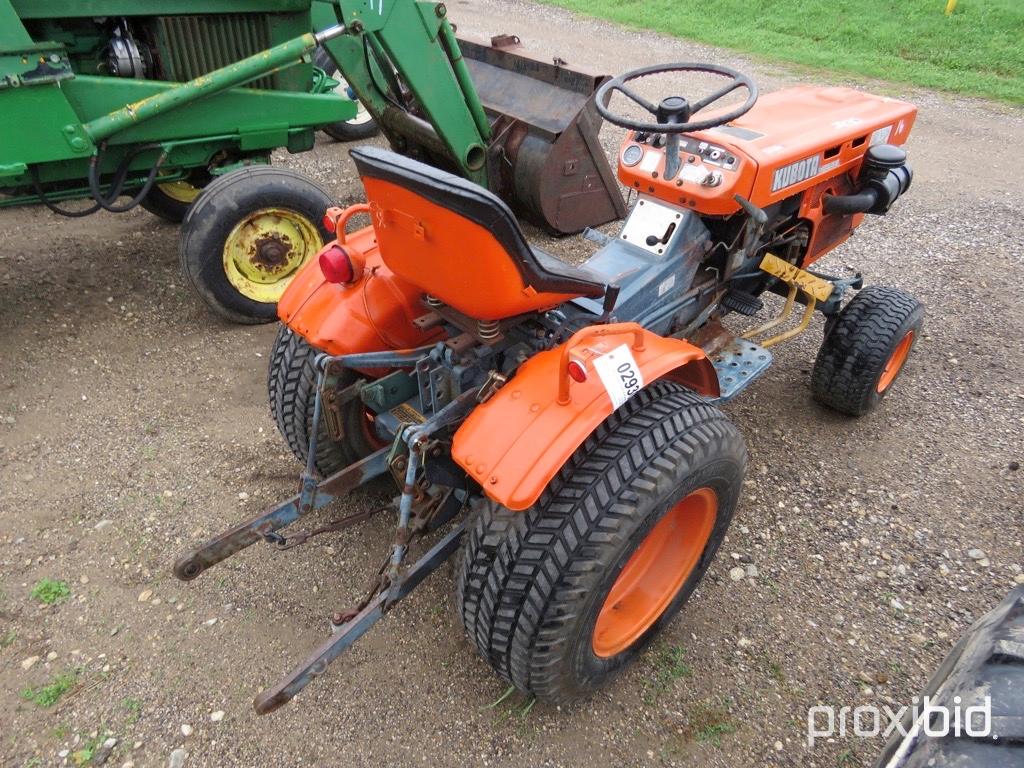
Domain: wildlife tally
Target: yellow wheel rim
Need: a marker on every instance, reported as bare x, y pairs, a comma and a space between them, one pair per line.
265, 249
181, 191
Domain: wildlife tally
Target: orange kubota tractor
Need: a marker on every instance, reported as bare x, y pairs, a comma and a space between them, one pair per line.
560, 421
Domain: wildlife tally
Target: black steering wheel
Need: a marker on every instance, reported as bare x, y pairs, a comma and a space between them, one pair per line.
675, 113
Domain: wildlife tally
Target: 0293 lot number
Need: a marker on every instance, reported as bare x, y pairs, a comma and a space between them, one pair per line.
619, 374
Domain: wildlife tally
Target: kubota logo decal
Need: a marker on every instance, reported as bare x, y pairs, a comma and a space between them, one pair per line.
796, 172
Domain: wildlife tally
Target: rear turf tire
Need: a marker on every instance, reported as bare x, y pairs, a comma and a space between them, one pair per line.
531, 585
865, 349
291, 387
986, 664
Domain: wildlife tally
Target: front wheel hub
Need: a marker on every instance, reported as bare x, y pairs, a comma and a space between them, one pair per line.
181, 191
265, 249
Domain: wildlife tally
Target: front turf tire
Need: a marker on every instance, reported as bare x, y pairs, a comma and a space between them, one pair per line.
531, 586
865, 349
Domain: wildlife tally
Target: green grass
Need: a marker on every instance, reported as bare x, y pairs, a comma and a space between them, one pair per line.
47, 695
774, 669
134, 709
50, 591
87, 751
709, 723
713, 733
668, 665
977, 51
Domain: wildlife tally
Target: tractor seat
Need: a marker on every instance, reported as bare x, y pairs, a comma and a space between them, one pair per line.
460, 243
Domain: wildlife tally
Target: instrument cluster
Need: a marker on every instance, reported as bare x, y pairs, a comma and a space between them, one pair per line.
707, 175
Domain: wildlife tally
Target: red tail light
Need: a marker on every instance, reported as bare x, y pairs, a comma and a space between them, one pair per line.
336, 265
577, 371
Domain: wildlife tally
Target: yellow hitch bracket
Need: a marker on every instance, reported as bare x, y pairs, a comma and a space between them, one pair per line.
792, 275
815, 289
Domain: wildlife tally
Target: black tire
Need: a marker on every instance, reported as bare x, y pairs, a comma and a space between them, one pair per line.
858, 344
225, 203
988, 661
359, 128
291, 387
530, 585
162, 205
169, 208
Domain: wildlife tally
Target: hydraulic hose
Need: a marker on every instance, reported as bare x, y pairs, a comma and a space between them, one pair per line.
37, 187
107, 201
100, 200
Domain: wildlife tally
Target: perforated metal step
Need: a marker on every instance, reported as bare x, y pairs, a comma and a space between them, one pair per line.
737, 364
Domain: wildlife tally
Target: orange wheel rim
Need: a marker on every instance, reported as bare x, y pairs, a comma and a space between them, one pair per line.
655, 573
895, 362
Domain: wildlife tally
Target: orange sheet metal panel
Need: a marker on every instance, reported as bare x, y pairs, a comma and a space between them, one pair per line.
373, 314
789, 141
517, 441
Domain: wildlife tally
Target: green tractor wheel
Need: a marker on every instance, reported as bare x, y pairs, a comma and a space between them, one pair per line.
247, 236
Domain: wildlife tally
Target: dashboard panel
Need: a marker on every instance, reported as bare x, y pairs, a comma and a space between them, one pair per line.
711, 173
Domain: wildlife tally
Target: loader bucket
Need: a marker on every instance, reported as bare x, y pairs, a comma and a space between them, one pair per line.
544, 153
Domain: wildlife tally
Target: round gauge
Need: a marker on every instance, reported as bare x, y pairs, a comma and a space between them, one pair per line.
632, 154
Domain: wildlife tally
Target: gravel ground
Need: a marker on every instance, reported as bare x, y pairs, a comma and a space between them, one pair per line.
133, 425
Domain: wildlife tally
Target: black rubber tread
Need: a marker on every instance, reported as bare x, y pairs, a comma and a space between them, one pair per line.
857, 345
214, 215
343, 131
530, 584
742, 302
291, 388
987, 661
160, 204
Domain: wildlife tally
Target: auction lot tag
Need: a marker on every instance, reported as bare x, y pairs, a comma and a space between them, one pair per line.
620, 374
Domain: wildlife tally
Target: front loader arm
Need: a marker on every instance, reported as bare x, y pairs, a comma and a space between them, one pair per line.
416, 39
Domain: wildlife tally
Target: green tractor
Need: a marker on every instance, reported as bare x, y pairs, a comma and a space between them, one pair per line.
176, 107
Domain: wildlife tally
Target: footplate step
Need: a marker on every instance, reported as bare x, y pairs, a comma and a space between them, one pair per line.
737, 364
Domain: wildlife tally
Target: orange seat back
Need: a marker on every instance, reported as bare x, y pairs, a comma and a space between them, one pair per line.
457, 242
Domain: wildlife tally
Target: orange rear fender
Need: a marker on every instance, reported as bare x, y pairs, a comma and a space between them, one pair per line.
372, 314
515, 443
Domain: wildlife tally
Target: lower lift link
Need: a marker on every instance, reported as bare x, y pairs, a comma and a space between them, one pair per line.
418, 513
